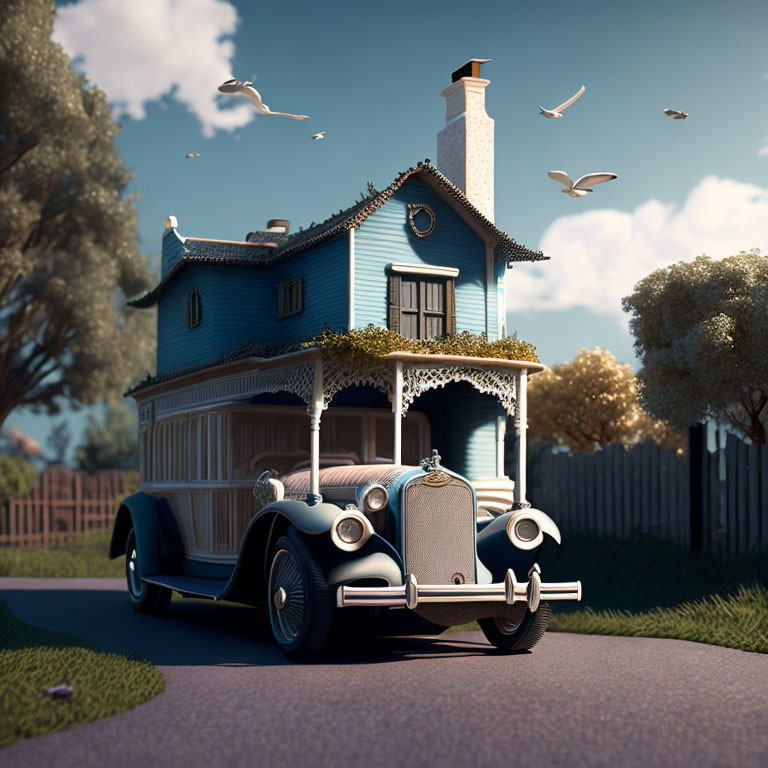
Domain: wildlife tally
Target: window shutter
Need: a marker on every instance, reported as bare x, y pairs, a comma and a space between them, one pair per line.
393, 313
450, 307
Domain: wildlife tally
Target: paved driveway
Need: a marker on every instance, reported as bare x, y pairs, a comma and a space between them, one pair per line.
231, 698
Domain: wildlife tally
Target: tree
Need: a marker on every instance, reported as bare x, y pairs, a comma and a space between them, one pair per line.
58, 441
17, 478
68, 254
591, 401
701, 333
110, 442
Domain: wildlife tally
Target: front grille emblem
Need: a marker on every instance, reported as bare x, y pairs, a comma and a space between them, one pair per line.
436, 478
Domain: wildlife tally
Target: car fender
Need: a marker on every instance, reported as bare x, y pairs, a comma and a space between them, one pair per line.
375, 565
159, 544
497, 552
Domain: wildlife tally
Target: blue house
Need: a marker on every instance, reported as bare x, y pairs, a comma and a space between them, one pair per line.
421, 257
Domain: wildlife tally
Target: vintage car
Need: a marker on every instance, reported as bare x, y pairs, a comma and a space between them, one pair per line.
241, 502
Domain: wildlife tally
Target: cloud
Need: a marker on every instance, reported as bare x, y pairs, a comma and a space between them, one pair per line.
139, 51
763, 151
598, 256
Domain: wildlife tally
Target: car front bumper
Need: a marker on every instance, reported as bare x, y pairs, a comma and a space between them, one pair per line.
510, 591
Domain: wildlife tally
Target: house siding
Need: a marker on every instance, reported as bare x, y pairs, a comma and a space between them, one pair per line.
240, 305
386, 237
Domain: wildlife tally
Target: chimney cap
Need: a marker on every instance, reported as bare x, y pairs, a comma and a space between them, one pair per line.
470, 69
279, 225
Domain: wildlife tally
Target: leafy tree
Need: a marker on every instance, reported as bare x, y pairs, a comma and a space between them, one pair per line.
68, 253
17, 478
58, 441
591, 401
701, 333
110, 442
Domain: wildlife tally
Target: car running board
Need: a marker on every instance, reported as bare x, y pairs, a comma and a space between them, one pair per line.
190, 585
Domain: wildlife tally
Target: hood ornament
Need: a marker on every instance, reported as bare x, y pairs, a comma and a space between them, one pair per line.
431, 462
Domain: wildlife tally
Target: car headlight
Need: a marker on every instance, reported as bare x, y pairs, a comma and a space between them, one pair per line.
350, 530
372, 497
524, 532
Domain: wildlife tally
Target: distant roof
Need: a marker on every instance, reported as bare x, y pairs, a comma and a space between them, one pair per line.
265, 249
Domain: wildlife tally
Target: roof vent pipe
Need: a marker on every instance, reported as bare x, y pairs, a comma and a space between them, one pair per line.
279, 225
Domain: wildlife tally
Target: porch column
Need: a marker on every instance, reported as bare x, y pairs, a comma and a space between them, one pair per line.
397, 410
315, 411
521, 422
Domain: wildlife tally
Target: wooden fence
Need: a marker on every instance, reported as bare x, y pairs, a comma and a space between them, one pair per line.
622, 493
62, 507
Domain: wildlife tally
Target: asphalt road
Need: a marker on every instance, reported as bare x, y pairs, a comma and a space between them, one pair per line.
232, 699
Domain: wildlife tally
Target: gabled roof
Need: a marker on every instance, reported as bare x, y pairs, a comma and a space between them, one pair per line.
257, 255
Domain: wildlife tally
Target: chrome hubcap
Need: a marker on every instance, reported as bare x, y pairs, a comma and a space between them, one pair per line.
281, 598
286, 608
135, 583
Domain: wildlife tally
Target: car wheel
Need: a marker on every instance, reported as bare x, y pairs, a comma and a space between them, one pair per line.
300, 604
517, 635
145, 598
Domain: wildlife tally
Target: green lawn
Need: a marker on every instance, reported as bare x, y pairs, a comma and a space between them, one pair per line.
86, 557
649, 588
33, 660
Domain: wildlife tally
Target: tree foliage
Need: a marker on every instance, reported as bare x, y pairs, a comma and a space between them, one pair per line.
68, 253
592, 401
109, 442
17, 478
701, 333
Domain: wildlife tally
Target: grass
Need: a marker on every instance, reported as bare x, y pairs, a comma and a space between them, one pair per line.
34, 659
87, 557
644, 587
737, 621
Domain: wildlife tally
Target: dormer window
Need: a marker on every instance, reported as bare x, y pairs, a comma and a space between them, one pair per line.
290, 297
422, 301
194, 309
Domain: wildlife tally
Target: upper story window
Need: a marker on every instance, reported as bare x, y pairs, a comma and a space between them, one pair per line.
422, 306
290, 297
193, 309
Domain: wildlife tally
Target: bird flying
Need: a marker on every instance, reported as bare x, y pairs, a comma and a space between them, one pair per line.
582, 185
676, 114
318, 136
244, 88
192, 154
558, 111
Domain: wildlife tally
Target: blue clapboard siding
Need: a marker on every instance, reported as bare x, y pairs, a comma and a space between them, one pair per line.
463, 424
173, 248
386, 237
235, 309
240, 305
324, 271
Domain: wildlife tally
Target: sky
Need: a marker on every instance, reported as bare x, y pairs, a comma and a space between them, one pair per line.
370, 75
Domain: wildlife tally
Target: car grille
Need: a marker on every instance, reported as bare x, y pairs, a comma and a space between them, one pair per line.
439, 532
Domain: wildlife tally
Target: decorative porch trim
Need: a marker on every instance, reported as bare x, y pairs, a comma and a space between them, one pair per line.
340, 376
501, 384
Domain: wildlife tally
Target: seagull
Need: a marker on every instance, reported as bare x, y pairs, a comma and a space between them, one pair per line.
318, 136
676, 114
192, 154
582, 186
558, 111
244, 88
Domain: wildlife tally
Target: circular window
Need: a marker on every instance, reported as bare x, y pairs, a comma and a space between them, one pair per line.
422, 219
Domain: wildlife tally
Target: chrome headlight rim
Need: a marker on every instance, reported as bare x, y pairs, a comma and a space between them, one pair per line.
362, 492
519, 542
352, 546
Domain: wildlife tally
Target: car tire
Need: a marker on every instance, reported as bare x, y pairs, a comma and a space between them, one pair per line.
520, 636
145, 598
300, 615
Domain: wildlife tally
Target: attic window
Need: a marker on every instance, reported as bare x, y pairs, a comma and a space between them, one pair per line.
194, 309
290, 297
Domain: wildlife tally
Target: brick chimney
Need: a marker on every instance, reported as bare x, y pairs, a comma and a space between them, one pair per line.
465, 145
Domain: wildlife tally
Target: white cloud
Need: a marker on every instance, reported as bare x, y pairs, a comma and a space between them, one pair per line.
141, 50
598, 256
763, 151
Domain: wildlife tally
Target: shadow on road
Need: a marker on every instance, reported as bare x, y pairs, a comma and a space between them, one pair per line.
203, 633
